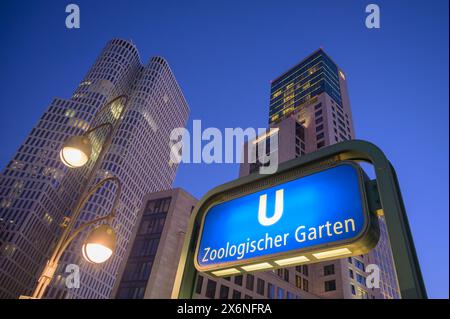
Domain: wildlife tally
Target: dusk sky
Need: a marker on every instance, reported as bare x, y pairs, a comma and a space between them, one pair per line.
224, 55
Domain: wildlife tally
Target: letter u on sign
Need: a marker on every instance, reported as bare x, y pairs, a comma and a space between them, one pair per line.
262, 212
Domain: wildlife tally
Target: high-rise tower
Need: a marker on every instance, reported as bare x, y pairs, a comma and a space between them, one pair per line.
309, 106
37, 192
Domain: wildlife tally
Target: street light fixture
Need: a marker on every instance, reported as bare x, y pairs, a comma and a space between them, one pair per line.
101, 241
76, 151
100, 244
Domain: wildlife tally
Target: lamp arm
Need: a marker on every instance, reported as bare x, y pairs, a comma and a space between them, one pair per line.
125, 100
110, 126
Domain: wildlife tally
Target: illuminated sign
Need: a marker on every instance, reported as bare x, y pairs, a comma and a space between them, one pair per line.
315, 217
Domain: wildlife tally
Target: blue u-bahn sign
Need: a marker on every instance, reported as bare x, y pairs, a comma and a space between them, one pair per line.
315, 217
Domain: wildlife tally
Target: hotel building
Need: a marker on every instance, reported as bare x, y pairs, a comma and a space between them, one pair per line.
310, 108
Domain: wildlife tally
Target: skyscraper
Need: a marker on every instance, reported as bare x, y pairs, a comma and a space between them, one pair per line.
316, 81
37, 192
310, 108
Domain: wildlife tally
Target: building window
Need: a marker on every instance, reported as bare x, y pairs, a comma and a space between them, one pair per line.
319, 136
359, 265
280, 293
145, 246
305, 285
352, 287
260, 286
320, 144
364, 294
236, 294
70, 113
361, 279
270, 291
211, 289
350, 273
198, 287
250, 282
286, 275
152, 225
238, 280
158, 206
224, 290
131, 293
280, 272
298, 282
328, 270
305, 270
330, 285
291, 295
299, 131
137, 270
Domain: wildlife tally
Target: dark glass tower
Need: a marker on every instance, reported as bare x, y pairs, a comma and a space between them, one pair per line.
312, 76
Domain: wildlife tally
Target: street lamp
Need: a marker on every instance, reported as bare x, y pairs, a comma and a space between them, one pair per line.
98, 246
77, 150
101, 241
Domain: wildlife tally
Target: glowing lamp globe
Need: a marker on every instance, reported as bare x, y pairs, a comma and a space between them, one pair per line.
76, 151
100, 244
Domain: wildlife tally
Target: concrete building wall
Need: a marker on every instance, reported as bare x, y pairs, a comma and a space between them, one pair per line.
163, 258
165, 266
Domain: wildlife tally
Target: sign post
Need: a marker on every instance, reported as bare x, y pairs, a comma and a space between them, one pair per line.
351, 230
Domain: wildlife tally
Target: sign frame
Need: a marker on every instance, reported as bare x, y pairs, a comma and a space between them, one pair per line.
386, 200
359, 244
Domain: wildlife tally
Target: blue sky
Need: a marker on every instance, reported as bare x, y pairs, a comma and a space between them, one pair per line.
224, 54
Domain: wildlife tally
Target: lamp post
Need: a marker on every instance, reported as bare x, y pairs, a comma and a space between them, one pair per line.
98, 246
100, 243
